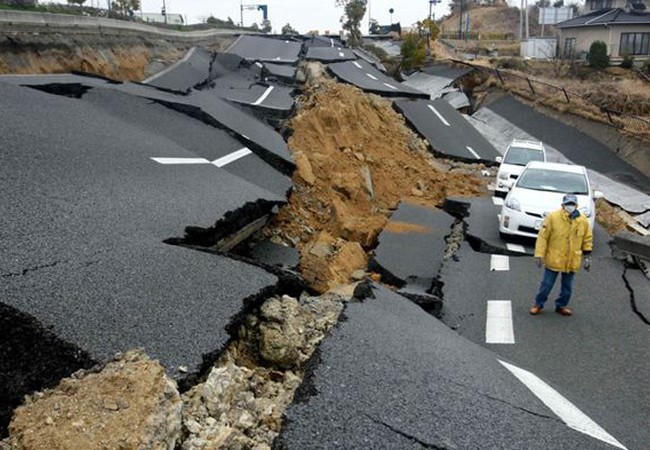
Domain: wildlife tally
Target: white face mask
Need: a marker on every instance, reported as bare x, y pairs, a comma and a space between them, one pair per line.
570, 208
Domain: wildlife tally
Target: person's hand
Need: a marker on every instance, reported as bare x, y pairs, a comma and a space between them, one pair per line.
539, 262
587, 263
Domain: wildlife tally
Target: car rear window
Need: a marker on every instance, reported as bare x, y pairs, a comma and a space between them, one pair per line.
519, 156
554, 181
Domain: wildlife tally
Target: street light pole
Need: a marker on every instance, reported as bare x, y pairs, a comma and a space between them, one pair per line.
164, 11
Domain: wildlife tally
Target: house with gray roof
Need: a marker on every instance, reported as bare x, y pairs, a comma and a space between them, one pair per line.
624, 25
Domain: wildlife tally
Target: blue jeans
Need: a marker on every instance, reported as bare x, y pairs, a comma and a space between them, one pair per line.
547, 284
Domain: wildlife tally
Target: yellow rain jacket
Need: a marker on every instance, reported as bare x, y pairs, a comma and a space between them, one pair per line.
561, 241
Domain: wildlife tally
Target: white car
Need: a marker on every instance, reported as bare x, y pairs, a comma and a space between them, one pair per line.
519, 153
538, 191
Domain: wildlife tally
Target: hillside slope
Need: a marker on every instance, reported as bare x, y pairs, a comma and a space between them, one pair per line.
493, 22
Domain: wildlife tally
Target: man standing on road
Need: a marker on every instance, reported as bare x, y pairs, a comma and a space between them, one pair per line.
565, 236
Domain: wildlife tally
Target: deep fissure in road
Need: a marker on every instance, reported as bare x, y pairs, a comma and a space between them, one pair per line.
633, 303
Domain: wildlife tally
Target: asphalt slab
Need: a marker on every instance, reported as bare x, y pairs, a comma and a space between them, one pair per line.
446, 130
391, 377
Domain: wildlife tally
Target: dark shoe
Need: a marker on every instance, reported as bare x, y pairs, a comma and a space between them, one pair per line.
564, 311
535, 310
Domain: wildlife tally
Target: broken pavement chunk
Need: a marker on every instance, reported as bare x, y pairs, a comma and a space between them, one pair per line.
412, 245
130, 403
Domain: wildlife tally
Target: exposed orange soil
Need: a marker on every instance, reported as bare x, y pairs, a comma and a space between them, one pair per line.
356, 160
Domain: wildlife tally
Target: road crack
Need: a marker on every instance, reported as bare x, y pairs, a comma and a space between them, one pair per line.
30, 269
643, 318
407, 436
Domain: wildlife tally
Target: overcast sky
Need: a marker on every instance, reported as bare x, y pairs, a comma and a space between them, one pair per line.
303, 15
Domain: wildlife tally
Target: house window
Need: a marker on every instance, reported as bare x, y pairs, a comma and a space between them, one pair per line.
569, 48
635, 44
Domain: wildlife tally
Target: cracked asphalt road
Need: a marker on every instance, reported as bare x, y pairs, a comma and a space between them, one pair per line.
390, 376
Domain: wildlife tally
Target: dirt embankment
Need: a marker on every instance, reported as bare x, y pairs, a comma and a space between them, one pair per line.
124, 58
356, 161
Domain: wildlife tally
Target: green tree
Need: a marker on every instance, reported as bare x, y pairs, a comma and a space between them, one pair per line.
414, 51
354, 11
597, 56
288, 29
124, 6
431, 27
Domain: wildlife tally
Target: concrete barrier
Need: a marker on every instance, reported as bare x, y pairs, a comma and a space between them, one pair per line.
47, 20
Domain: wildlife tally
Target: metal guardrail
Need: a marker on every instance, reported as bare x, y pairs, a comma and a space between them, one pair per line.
10, 17
638, 126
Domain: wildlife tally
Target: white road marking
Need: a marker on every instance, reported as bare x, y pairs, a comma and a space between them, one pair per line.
331, 42
234, 156
561, 407
181, 160
435, 111
515, 248
357, 64
263, 96
498, 201
390, 86
498, 325
372, 76
499, 263
259, 64
341, 54
471, 150
187, 56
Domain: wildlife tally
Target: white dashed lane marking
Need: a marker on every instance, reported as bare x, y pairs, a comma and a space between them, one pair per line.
471, 150
220, 162
499, 263
372, 76
357, 64
442, 119
263, 96
561, 407
181, 160
234, 156
498, 325
390, 86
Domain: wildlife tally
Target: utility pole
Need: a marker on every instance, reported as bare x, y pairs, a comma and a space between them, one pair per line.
460, 20
527, 32
164, 12
241, 13
521, 21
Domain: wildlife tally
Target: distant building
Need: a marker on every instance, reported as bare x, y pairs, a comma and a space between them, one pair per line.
624, 25
172, 19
